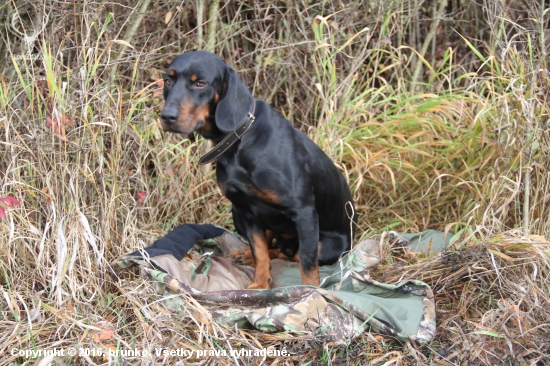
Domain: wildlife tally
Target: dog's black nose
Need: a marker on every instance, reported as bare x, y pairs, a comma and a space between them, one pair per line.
169, 115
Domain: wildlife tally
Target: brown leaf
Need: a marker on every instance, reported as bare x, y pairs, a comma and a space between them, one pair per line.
106, 331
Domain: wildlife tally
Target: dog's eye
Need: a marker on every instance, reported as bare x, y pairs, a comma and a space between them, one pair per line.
200, 84
167, 82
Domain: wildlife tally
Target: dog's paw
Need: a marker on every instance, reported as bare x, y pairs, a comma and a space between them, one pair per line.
242, 256
260, 284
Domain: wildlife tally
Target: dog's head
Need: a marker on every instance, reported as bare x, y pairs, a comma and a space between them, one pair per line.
202, 93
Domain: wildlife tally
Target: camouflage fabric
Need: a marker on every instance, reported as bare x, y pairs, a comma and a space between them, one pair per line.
347, 303
423, 242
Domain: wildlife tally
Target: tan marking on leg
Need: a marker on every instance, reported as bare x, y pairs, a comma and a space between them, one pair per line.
262, 278
311, 277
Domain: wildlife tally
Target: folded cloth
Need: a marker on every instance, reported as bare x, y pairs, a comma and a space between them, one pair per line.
347, 303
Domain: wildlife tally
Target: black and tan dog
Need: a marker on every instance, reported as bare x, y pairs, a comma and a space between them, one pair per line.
288, 198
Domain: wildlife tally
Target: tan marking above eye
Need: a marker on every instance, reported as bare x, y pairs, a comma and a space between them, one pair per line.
172, 72
193, 78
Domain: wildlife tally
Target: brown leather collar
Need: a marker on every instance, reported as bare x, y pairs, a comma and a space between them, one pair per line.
231, 138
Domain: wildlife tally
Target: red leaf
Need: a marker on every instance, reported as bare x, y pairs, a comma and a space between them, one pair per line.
141, 196
56, 122
65, 120
10, 201
105, 332
2, 212
159, 82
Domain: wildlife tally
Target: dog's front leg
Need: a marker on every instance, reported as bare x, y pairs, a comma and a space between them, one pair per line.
307, 225
260, 250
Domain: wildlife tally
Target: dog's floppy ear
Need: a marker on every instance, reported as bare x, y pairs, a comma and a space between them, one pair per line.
234, 103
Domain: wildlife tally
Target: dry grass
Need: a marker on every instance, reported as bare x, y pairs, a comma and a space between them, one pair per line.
465, 149
491, 297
